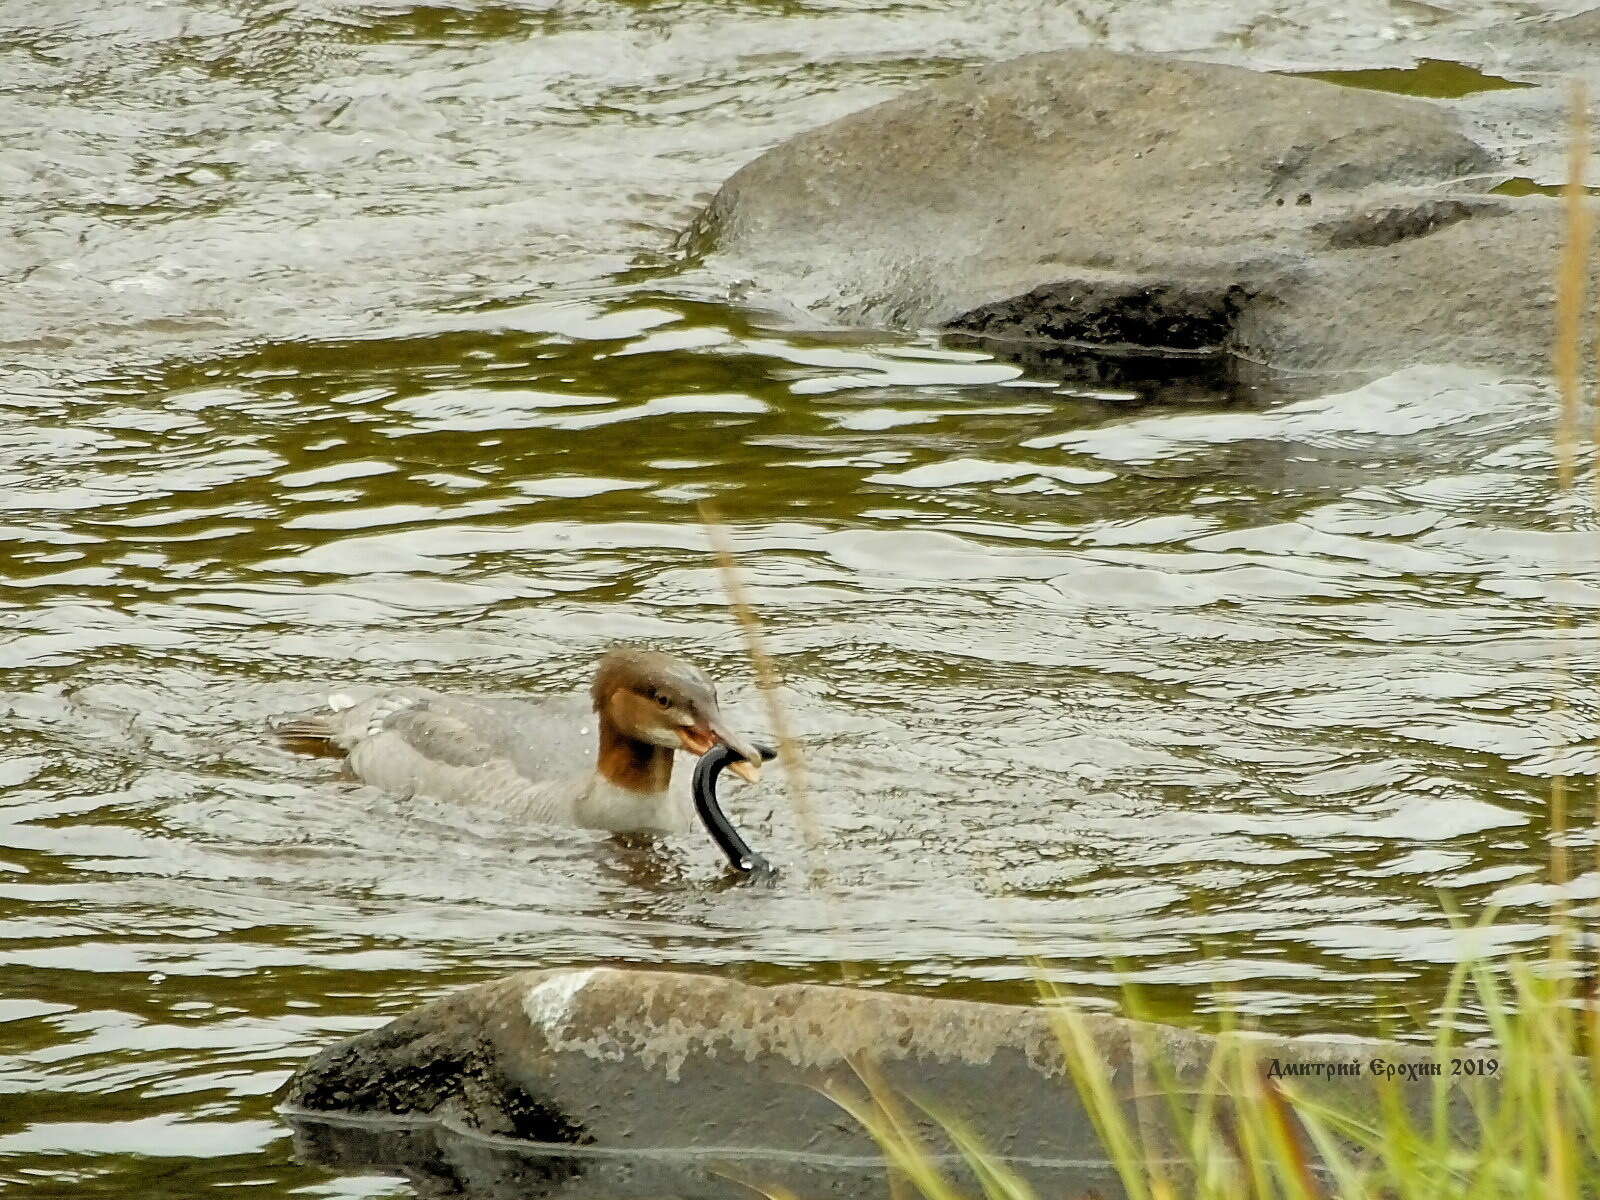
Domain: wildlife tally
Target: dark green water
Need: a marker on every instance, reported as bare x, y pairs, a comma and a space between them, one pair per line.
343, 349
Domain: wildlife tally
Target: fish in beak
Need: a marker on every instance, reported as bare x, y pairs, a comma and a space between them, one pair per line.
699, 738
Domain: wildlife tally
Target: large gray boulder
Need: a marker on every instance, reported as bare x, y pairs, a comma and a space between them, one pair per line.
627, 1082
1125, 200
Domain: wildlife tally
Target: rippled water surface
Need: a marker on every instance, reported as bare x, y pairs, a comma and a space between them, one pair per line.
344, 348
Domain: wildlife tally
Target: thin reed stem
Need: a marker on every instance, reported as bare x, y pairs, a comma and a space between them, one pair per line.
767, 680
1571, 300
1572, 291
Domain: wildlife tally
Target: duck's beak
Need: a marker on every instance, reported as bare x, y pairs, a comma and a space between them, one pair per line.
697, 739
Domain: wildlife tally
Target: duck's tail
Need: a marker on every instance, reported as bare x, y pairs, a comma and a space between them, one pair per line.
320, 731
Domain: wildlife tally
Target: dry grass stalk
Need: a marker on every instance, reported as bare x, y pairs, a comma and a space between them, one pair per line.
767, 682
1572, 291
1571, 300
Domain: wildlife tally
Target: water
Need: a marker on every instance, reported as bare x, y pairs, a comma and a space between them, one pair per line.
344, 348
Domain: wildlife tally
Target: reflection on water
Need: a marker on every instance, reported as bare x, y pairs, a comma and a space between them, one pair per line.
445, 1163
347, 369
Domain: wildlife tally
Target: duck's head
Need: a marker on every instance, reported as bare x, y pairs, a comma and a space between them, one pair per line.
662, 700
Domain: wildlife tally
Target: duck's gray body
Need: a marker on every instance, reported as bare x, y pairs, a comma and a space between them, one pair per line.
527, 760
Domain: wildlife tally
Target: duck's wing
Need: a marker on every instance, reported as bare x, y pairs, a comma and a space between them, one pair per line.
531, 759
547, 738
540, 740
441, 731
543, 737
459, 751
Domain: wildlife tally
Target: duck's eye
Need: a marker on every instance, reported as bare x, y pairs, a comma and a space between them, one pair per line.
663, 700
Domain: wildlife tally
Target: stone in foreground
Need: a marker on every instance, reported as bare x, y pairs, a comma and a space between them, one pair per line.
565, 1077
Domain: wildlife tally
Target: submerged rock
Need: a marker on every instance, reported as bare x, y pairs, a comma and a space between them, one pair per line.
1127, 201
546, 1077
1567, 44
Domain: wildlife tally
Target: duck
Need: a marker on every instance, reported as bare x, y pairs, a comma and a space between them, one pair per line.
605, 761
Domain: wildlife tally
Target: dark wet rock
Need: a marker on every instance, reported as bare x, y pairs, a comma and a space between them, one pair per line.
431, 1063
1123, 201
1176, 317
662, 1065
1386, 224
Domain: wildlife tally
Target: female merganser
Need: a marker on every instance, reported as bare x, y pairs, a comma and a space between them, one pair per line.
525, 759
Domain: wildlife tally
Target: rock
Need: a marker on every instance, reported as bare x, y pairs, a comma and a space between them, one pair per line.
1126, 201
1528, 125
568, 1075
1476, 291
1566, 44
1581, 29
